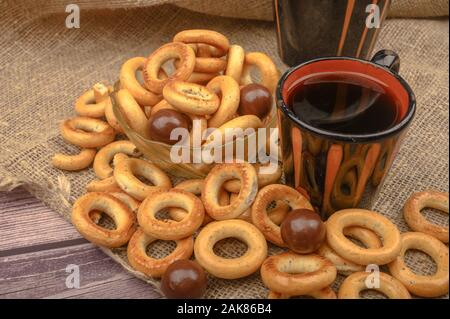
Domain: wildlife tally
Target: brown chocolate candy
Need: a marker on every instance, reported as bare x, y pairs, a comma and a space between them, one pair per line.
163, 122
303, 231
184, 279
255, 100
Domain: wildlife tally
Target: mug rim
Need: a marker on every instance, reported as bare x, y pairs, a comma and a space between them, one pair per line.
352, 138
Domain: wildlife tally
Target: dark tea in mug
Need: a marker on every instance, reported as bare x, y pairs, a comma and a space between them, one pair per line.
341, 124
346, 104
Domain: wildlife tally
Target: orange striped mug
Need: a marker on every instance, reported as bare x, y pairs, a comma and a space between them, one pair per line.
341, 121
309, 29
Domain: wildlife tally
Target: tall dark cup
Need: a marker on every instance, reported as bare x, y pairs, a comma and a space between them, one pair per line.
310, 29
341, 124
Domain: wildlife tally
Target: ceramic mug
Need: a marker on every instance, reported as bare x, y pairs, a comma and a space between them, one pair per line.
342, 169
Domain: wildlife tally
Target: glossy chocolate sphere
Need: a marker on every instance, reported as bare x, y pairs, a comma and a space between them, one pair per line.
255, 100
163, 122
184, 279
303, 231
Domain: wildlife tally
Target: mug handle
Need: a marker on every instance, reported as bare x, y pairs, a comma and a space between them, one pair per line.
387, 58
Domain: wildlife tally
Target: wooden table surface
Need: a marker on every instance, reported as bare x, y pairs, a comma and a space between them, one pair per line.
37, 246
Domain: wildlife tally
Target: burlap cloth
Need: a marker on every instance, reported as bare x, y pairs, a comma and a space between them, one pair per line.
44, 67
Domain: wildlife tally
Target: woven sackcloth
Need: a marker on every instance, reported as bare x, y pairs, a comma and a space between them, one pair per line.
44, 67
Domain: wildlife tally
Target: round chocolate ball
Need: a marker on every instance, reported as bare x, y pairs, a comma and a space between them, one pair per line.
303, 231
184, 279
163, 122
255, 100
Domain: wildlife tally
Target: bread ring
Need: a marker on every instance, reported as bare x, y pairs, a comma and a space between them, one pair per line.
236, 267
170, 229
344, 266
202, 78
415, 220
233, 186
153, 267
92, 103
352, 286
424, 286
236, 59
229, 91
74, 162
125, 173
102, 167
175, 50
268, 70
119, 212
240, 122
133, 113
247, 215
373, 221
131, 203
103, 185
195, 187
325, 293
213, 184
207, 65
87, 132
191, 98
266, 196
278, 213
297, 275
129, 82
213, 38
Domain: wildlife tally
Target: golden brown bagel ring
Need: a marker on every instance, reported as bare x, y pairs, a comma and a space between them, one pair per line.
87, 132
92, 103
103, 185
129, 82
213, 38
268, 70
373, 221
213, 183
344, 266
245, 215
202, 78
195, 187
229, 91
153, 267
207, 65
233, 186
125, 173
102, 167
297, 275
170, 229
236, 59
267, 195
236, 267
242, 122
191, 98
325, 293
123, 218
133, 113
131, 203
415, 220
424, 286
175, 50
352, 286
74, 162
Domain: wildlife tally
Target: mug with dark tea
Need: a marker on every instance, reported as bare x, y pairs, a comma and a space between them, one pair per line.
341, 123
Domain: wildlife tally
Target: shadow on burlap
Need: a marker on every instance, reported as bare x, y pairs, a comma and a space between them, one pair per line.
45, 67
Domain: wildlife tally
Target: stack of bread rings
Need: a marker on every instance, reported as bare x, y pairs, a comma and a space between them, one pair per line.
234, 200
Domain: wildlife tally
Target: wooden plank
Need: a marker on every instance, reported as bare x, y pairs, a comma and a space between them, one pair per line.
43, 275
26, 222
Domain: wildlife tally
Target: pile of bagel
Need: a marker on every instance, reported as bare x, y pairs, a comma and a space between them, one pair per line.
234, 200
